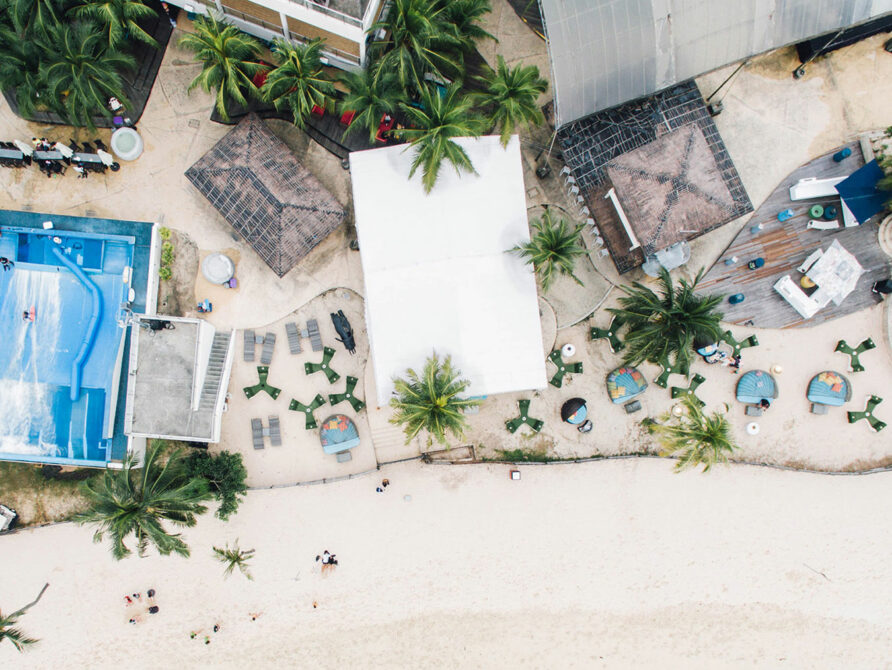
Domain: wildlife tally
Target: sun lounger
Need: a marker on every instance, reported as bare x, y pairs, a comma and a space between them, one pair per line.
813, 258
269, 342
257, 433
313, 334
753, 410
812, 187
293, 337
275, 432
344, 456
820, 224
818, 408
249, 346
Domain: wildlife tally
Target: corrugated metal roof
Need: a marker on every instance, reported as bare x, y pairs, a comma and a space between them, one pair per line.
606, 52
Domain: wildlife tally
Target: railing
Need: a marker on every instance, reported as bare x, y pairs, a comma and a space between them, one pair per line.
328, 11
327, 48
250, 18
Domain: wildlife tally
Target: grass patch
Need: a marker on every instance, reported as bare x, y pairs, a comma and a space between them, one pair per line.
523, 455
39, 499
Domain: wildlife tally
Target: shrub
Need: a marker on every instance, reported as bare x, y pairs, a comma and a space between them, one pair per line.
225, 474
165, 274
164, 233
166, 254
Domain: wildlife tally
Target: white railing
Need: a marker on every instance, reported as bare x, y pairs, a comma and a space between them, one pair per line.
328, 11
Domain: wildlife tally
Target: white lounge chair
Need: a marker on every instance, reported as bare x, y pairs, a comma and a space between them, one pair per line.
820, 224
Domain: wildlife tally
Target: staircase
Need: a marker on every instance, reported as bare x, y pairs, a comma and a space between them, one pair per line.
214, 373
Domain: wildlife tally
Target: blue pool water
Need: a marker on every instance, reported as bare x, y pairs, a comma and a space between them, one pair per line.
59, 374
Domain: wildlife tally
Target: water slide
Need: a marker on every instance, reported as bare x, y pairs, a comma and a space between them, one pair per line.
77, 365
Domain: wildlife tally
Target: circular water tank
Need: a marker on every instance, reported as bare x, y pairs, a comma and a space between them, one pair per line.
127, 144
217, 268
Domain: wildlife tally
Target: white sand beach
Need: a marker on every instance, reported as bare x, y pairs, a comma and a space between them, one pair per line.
610, 564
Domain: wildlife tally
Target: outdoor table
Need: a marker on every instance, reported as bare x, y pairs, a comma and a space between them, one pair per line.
86, 158
12, 153
48, 155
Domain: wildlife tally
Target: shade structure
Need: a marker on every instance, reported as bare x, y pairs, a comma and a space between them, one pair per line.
624, 384
574, 411
127, 144
836, 272
269, 198
436, 274
217, 268
860, 193
829, 388
338, 433
756, 385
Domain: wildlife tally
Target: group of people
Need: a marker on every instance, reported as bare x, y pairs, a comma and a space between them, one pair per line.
61, 156
135, 601
328, 560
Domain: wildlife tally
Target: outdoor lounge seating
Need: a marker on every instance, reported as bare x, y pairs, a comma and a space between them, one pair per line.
524, 418
828, 388
293, 335
327, 355
275, 431
624, 384
610, 333
338, 435
312, 332
678, 391
310, 420
854, 354
756, 386
562, 368
669, 369
356, 403
262, 385
347, 117
737, 345
269, 343
257, 433
867, 414
250, 345
344, 456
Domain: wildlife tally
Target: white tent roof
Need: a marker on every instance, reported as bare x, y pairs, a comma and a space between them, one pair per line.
436, 273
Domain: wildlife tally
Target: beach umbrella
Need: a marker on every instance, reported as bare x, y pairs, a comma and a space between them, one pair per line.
625, 383
756, 385
217, 268
829, 388
574, 411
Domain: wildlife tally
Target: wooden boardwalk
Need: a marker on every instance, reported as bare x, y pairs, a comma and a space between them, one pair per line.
785, 245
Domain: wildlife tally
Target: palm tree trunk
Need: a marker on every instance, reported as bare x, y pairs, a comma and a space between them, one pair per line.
31, 604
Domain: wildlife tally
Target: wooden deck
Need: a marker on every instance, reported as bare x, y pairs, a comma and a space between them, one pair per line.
784, 246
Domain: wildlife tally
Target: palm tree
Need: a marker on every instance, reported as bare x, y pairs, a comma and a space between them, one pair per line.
660, 326
434, 127
370, 95
553, 248
298, 81
227, 55
81, 73
8, 621
694, 437
430, 401
512, 95
19, 69
34, 17
465, 15
420, 41
136, 500
234, 558
119, 19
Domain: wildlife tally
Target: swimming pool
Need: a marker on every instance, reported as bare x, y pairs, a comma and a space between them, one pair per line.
63, 319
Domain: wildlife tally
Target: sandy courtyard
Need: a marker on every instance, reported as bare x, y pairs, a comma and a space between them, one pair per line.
611, 564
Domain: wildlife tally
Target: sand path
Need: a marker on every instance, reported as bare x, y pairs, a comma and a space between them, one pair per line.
602, 564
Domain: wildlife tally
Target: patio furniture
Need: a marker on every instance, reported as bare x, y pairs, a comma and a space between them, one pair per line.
257, 433
753, 410
610, 333
632, 407
821, 224
755, 386
818, 408
812, 187
385, 126
562, 368
269, 343
796, 297
297, 406
356, 403
625, 383
293, 336
728, 338
347, 117
836, 272
524, 418
867, 414
342, 327
816, 211
312, 332
574, 411
275, 431
810, 260
344, 456
854, 354
262, 385
249, 346
674, 369
327, 355
828, 388
318, 111
338, 434
678, 391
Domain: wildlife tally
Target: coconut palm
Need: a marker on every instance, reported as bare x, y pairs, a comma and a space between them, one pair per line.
234, 558
694, 437
664, 326
119, 19
466, 15
553, 248
227, 56
430, 401
19, 66
420, 40
512, 97
136, 500
298, 81
16, 635
370, 95
81, 73
434, 128
33, 17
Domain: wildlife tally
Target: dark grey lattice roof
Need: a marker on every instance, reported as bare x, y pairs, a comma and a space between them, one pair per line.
261, 189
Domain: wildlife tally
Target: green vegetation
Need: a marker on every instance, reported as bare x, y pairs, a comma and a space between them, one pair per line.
371, 94
167, 256
524, 456
136, 500
553, 248
511, 97
16, 636
234, 558
228, 57
164, 233
38, 496
297, 82
225, 475
68, 56
665, 326
694, 437
430, 401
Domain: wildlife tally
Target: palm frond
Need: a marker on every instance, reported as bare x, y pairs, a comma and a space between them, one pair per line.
553, 248
695, 437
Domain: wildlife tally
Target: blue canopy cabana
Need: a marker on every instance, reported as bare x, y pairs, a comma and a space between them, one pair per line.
338, 433
756, 385
860, 193
624, 384
829, 388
